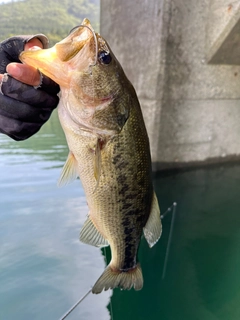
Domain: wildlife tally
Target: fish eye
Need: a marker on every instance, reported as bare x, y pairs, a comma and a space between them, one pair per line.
104, 57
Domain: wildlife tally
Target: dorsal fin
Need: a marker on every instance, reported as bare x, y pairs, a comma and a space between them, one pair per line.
153, 228
90, 235
69, 171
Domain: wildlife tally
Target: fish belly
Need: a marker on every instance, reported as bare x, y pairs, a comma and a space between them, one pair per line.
120, 201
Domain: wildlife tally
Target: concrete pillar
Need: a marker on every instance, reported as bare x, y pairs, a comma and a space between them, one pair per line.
175, 52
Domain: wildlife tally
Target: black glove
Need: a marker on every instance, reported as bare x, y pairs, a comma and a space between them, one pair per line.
23, 108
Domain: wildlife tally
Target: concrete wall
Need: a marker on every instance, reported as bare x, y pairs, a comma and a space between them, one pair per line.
170, 50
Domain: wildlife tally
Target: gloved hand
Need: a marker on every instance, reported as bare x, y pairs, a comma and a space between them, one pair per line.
23, 108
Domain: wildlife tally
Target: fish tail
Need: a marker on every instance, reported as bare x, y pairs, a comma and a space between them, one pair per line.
111, 279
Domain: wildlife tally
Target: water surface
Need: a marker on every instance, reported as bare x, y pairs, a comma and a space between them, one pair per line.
44, 269
202, 279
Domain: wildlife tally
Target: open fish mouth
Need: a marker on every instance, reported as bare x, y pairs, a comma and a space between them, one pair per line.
77, 50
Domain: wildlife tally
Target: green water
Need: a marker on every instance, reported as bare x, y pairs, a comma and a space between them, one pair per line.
202, 278
44, 269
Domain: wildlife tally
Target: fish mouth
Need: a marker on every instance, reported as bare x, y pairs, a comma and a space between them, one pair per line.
59, 61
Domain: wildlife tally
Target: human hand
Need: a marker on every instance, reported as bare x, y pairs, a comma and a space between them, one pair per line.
27, 98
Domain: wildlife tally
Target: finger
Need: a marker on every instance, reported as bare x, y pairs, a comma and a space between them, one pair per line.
24, 73
18, 129
14, 109
12, 47
35, 42
49, 85
20, 120
32, 77
19, 91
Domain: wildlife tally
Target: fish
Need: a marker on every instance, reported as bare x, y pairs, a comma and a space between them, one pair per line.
108, 150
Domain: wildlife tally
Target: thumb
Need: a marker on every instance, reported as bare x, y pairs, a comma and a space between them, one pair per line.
24, 73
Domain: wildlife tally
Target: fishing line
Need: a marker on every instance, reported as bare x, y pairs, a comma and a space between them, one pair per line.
92, 64
174, 205
95, 40
174, 210
75, 305
96, 52
90, 68
96, 44
168, 210
86, 294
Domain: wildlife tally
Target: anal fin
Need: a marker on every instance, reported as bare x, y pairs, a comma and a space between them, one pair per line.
153, 228
69, 171
90, 235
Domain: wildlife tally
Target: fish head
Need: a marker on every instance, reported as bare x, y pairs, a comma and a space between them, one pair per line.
83, 63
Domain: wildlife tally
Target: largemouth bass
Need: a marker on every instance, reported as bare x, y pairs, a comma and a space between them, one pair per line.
108, 149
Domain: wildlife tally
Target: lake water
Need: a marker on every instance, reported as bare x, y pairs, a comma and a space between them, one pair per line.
44, 269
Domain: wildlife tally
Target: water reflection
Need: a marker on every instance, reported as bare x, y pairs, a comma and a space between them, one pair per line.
48, 144
202, 278
44, 269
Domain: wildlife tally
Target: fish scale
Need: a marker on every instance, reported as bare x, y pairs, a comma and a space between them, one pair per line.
108, 149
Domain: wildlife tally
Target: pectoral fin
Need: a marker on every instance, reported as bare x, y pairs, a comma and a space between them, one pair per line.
153, 228
97, 163
69, 171
90, 235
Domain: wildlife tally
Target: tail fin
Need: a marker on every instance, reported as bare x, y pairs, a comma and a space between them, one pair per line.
111, 279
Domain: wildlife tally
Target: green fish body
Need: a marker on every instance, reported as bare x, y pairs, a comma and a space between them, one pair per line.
108, 149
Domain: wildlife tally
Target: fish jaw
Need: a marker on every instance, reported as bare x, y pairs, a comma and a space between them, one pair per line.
66, 57
48, 63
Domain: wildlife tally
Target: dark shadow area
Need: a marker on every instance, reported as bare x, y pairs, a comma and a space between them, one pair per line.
202, 277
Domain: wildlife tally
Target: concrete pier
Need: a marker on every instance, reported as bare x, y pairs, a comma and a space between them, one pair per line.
183, 59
